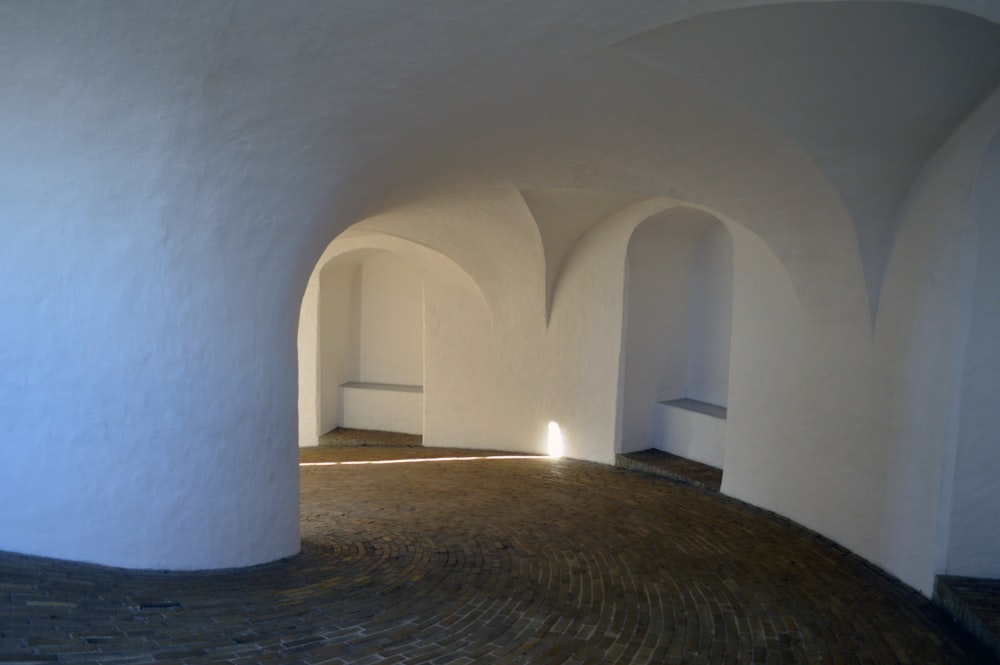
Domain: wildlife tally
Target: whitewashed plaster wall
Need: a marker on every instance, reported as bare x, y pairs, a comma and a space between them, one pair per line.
309, 354
327, 343
339, 337
974, 537
391, 331
711, 317
147, 333
918, 347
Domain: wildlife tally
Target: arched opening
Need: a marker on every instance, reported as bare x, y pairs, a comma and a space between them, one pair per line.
361, 346
677, 332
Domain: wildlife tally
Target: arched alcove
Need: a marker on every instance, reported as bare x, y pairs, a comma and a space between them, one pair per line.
361, 341
677, 331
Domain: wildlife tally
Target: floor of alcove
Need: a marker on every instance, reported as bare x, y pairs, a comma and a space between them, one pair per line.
346, 437
480, 560
661, 463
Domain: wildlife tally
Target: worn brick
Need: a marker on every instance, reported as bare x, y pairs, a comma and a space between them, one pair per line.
498, 561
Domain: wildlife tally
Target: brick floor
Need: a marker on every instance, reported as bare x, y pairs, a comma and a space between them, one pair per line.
345, 437
975, 603
491, 561
661, 463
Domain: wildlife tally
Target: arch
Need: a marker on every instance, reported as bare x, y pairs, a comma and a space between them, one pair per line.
462, 228
766, 318
323, 369
371, 344
561, 217
765, 328
676, 335
879, 74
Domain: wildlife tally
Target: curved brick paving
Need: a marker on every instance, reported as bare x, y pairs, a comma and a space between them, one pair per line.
491, 561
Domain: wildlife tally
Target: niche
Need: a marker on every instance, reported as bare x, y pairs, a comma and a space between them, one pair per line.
371, 341
677, 333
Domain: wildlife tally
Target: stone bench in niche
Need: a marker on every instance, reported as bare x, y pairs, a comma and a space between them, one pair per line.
691, 429
388, 407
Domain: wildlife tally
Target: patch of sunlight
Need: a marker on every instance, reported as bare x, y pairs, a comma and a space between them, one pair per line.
555, 441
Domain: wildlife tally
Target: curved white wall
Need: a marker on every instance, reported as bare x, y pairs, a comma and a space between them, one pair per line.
918, 348
974, 538
147, 299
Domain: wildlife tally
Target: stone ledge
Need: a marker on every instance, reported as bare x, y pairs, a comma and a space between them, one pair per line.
704, 408
390, 387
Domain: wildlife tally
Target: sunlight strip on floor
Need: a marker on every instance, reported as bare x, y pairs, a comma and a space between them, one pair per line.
422, 459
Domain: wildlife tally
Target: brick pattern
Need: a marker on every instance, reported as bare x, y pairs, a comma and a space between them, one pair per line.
975, 603
491, 561
346, 437
665, 464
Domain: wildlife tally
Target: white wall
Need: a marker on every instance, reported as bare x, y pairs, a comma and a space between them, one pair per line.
382, 407
339, 313
974, 538
147, 298
391, 336
918, 348
711, 316
307, 347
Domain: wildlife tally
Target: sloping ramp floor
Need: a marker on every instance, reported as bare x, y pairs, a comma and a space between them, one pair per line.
476, 558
